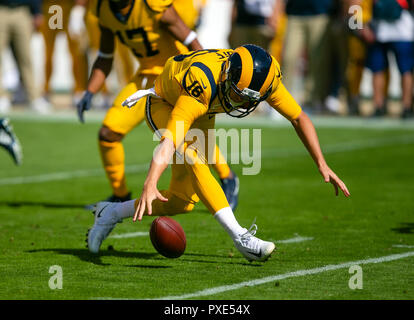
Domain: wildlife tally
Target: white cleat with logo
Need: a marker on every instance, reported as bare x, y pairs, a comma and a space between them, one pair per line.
105, 221
253, 248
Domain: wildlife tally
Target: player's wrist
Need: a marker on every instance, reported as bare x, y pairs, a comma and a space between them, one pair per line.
322, 165
88, 95
190, 38
150, 184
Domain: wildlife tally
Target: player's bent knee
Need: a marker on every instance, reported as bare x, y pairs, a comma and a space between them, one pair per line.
174, 205
178, 206
106, 134
187, 207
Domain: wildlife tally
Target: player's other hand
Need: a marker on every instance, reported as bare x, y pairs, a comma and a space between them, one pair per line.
331, 177
149, 194
84, 104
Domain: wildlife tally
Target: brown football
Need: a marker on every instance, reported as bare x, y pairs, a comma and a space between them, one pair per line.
168, 237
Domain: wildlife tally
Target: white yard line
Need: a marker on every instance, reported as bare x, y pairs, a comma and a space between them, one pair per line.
94, 116
267, 153
402, 246
129, 235
55, 176
294, 274
295, 240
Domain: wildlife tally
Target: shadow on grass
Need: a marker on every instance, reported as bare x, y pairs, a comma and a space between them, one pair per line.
187, 258
17, 204
85, 255
405, 227
223, 260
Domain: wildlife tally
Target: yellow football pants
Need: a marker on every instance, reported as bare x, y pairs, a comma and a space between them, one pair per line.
79, 58
122, 120
191, 178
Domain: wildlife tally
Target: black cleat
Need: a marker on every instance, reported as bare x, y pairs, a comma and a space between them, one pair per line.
379, 113
9, 141
407, 113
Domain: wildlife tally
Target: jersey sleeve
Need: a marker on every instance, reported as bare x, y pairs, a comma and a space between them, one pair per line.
158, 5
185, 112
283, 102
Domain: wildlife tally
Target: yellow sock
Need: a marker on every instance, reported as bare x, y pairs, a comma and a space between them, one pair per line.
112, 155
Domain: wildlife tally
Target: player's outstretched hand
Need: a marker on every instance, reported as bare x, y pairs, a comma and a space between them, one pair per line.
331, 177
84, 104
149, 194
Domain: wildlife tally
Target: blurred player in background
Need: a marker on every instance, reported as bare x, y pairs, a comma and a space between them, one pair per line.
124, 62
336, 56
9, 141
190, 11
193, 88
252, 23
18, 19
279, 21
392, 30
74, 29
306, 34
357, 48
255, 22
153, 31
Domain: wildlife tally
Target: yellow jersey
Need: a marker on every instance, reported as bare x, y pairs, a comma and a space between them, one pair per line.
141, 31
189, 11
189, 82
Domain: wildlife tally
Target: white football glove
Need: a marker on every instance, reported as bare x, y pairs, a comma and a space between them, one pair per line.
133, 99
76, 24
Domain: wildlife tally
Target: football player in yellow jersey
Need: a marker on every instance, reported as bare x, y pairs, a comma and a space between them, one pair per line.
79, 58
125, 68
153, 31
192, 88
190, 11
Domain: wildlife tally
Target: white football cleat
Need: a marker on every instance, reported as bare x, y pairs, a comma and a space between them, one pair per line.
5, 105
105, 221
253, 248
41, 105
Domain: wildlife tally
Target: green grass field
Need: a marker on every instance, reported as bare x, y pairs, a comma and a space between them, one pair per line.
318, 236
